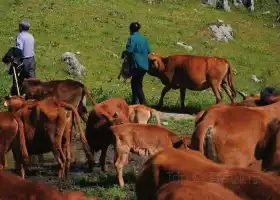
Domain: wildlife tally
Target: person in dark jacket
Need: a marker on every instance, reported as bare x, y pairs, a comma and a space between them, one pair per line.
138, 50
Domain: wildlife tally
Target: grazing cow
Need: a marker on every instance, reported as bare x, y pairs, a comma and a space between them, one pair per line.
237, 135
143, 140
48, 128
185, 189
14, 187
100, 119
12, 135
192, 72
142, 114
70, 91
179, 164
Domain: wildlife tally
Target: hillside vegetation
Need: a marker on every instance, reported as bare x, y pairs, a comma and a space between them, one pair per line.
98, 29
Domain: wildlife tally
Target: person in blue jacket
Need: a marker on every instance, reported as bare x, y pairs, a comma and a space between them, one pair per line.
138, 50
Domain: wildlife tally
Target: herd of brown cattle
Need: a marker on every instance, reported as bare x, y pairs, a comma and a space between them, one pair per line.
233, 152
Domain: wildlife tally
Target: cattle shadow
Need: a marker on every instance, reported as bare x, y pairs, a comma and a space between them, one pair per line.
105, 180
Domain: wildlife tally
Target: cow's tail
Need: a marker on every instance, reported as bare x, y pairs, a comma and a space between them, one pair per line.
21, 136
87, 93
82, 133
203, 140
231, 84
230, 80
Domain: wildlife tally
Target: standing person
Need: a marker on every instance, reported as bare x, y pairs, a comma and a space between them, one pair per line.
25, 42
138, 50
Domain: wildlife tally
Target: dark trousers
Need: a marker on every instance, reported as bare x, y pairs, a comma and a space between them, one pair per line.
28, 71
137, 86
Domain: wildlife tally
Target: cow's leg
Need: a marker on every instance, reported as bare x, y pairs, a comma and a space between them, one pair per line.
217, 91
56, 138
182, 96
66, 145
122, 158
2, 161
102, 158
163, 93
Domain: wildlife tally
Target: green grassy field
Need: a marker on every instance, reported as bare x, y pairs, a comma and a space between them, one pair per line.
99, 28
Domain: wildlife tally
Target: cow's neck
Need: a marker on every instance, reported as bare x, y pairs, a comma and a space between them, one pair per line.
165, 75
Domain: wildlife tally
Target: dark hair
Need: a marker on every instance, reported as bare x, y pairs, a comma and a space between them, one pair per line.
134, 27
24, 28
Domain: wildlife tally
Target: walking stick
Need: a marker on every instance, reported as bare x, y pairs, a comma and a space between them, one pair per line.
15, 76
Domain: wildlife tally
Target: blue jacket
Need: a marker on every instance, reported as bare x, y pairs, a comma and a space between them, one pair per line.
139, 47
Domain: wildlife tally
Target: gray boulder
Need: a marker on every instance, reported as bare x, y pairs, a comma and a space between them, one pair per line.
222, 32
73, 66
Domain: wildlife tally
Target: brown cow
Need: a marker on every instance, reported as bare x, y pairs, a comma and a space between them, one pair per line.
100, 119
267, 96
12, 136
143, 140
178, 164
70, 91
185, 189
48, 128
237, 135
142, 114
192, 72
14, 187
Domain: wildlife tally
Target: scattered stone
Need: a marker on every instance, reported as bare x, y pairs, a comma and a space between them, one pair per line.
73, 66
165, 123
266, 12
221, 21
222, 32
254, 78
184, 45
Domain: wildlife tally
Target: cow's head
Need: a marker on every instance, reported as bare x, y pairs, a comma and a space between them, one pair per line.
13, 55
156, 63
14, 103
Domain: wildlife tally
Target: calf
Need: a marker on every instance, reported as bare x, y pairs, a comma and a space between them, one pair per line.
12, 135
14, 187
185, 189
142, 114
178, 164
100, 119
141, 139
47, 128
71, 91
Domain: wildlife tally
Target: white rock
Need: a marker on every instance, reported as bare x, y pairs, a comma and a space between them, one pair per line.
184, 45
165, 123
254, 78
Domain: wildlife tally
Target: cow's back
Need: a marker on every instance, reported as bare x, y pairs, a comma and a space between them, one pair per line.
184, 189
191, 71
144, 138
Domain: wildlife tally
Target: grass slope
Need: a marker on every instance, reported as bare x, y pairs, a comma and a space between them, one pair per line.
99, 29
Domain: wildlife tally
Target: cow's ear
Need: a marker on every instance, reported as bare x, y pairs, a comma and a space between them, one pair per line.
24, 95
